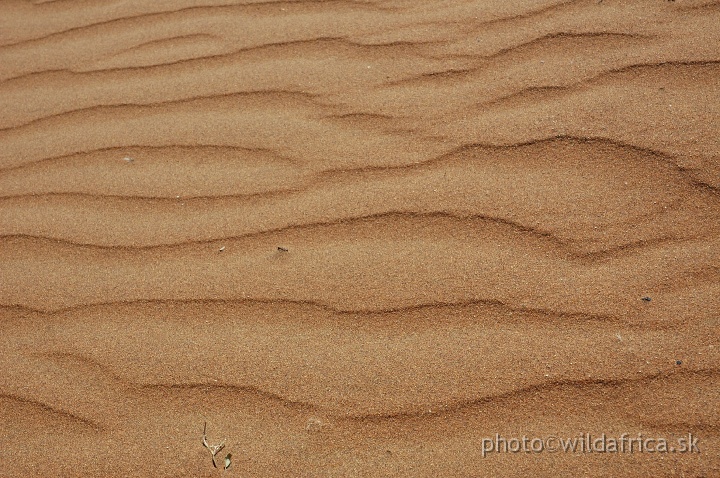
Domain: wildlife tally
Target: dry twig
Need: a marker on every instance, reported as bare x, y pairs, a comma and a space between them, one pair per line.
214, 449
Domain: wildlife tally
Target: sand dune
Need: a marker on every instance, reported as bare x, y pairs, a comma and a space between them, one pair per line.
495, 218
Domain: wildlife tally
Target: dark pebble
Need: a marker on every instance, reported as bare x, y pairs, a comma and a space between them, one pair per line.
646, 299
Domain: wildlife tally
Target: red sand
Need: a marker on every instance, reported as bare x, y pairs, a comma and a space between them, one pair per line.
474, 198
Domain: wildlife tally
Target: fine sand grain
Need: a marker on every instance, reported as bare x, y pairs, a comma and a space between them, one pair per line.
357, 237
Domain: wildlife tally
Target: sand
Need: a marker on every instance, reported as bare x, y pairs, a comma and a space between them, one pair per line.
358, 237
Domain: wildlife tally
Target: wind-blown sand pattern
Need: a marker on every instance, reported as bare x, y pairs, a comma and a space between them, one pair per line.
474, 198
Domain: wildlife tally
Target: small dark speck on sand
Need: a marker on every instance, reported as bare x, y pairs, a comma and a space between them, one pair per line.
646, 299
282, 249
678, 362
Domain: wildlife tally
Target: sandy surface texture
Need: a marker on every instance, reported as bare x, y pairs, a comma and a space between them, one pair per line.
359, 238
